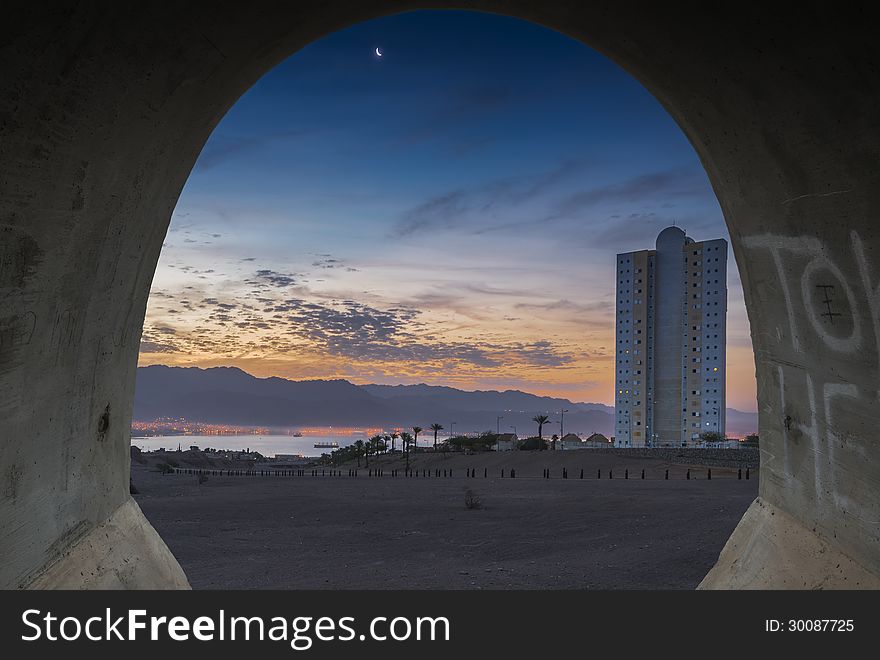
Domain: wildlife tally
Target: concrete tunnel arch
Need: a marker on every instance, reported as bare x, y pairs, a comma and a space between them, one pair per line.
105, 109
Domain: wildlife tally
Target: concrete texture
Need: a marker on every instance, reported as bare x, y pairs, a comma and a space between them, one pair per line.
94, 561
770, 549
105, 107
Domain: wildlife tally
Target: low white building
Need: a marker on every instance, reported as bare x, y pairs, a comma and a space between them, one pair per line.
570, 441
597, 440
506, 442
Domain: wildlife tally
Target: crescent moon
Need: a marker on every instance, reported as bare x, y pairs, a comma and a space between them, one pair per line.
378, 53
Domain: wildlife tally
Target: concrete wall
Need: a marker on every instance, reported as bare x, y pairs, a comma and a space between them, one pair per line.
105, 107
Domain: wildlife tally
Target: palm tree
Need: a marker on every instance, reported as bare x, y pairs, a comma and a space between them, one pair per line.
377, 443
406, 438
436, 427
416, 431
540, 420
391, 437
359, 445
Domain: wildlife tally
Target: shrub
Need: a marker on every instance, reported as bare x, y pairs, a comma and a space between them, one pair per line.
532, 444
482, 442
472, 500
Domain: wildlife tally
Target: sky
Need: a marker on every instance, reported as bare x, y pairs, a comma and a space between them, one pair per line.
448, 212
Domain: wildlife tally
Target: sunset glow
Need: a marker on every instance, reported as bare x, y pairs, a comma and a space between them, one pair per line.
448, 215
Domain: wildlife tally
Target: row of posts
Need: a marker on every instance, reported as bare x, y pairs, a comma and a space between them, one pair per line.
379, 472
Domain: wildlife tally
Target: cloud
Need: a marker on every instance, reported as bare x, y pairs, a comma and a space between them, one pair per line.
672, 183
451, 209
156, 347
638, 193
275, 279
569, 306
222, 148
353, 330
347, 329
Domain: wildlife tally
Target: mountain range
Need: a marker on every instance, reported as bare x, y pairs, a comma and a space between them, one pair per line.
228, 395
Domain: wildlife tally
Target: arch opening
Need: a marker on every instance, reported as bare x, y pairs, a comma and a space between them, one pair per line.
445, 220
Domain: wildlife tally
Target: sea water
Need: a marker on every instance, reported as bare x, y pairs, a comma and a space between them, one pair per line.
267, 445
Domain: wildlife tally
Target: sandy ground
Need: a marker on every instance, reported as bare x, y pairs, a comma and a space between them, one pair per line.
416, 533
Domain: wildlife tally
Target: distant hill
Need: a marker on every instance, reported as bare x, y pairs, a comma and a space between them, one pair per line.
741, 423
231, 396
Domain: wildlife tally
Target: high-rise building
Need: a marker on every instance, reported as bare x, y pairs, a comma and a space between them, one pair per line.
670, 342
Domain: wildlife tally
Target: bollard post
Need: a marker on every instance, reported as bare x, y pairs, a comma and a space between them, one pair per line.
747, 473
512, 473
582, 473
611, 474
485, 472
688, 474
599, 474
739, 473
643, 473
626, 473
667, 475
709, 475
502, 473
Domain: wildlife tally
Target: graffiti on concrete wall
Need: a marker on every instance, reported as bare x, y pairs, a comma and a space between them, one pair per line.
827, 312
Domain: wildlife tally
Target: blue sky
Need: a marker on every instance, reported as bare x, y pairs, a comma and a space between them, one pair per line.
446, 213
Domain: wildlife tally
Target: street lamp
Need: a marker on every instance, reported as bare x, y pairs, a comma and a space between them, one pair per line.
498, 424
514, 430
